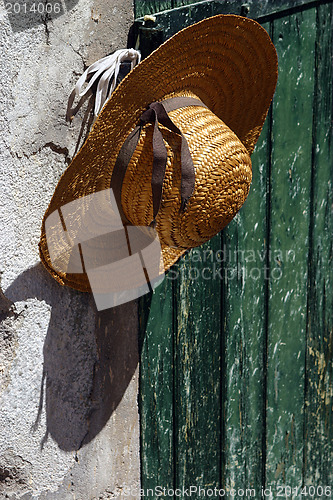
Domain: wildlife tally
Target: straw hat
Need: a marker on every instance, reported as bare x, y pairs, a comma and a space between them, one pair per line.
227, 65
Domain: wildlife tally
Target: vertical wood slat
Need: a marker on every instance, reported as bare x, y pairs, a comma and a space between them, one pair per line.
294, 39
244, 292
180, 376
156, 391
197, 369
180, 3
144, 7
318, 435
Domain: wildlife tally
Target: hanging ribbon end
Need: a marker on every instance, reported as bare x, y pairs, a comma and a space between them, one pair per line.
153, 224
183, 205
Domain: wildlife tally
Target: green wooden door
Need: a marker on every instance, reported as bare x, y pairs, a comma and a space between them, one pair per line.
236, 343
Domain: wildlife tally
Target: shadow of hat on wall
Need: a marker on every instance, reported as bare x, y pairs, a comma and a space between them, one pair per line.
89, 358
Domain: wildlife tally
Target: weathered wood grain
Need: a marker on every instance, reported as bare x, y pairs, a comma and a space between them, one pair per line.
318, 431
156, 398
244, 292
197, 369
146, 7
294, 38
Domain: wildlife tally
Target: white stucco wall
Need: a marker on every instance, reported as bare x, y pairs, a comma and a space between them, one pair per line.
68, 374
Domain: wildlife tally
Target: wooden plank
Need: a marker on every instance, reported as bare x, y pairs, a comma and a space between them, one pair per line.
181, 3
245, 246
294, 38
146, 7
187, 12
318, 453
197, 369
156, 387
174, 20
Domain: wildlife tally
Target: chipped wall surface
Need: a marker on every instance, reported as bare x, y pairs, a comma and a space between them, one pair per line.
68, 374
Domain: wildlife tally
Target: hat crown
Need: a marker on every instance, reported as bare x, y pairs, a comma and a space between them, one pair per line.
222, 178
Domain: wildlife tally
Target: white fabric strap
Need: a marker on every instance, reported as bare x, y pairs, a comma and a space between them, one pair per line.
106, 70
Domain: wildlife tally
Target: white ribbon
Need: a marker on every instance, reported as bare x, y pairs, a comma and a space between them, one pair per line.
107, 70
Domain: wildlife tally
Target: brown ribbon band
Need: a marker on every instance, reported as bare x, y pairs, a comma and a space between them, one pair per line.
156, 113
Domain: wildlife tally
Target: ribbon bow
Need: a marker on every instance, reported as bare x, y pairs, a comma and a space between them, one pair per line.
157, 113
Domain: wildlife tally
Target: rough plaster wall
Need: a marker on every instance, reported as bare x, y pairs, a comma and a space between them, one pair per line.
68, 374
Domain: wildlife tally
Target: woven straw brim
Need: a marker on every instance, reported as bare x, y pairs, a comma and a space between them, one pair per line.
229, 62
